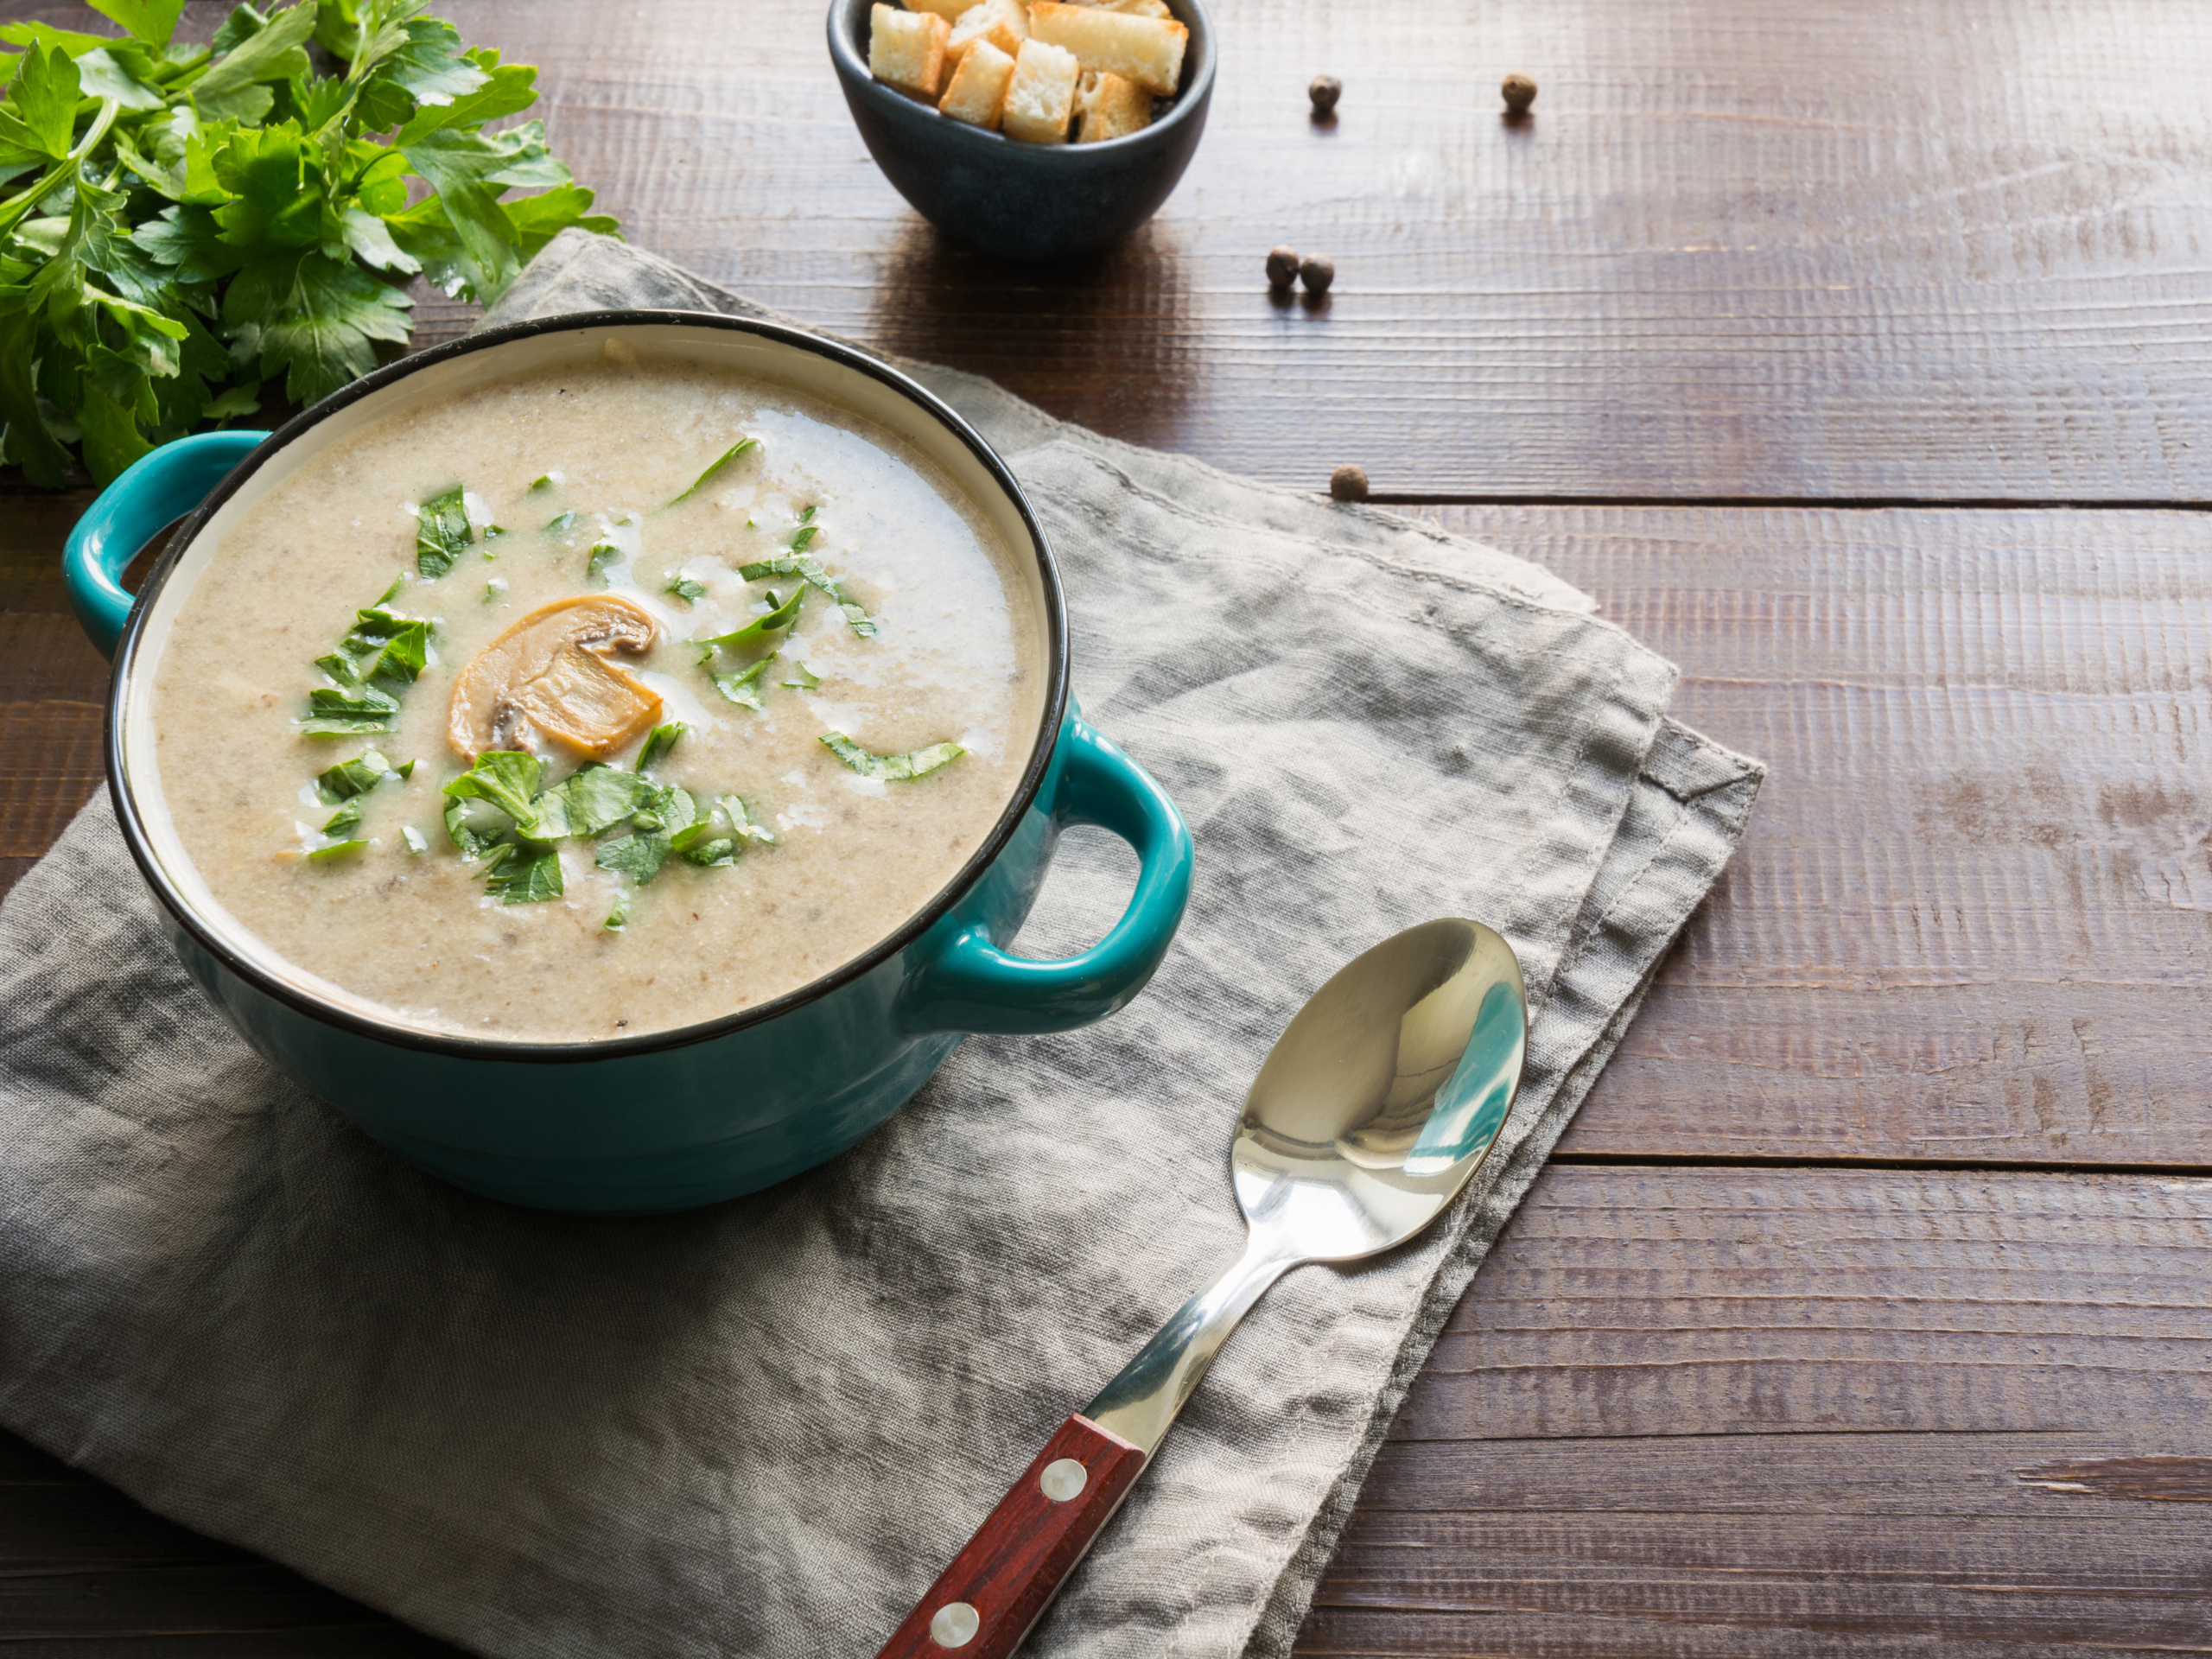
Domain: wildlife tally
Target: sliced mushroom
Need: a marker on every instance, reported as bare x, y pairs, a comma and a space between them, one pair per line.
550, 672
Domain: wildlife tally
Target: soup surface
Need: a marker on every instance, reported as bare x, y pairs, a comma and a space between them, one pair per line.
597, 872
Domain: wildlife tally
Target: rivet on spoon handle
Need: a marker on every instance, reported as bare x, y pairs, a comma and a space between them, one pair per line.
984, 1603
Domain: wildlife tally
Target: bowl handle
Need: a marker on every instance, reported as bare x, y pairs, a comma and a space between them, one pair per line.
972, 985
155, 490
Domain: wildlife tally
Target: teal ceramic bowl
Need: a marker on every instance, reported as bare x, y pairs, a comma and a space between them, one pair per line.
669, 1120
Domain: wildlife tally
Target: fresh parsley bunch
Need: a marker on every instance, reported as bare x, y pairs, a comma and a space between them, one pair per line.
180, 224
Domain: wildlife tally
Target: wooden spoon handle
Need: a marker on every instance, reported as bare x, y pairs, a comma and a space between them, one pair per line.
984, 1603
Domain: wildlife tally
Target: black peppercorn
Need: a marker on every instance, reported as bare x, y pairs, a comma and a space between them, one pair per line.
1282, 267
1520, 93
1317, 274
1325, 91
1347, 483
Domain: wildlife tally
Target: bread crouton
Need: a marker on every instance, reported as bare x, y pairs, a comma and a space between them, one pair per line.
1004, 23
977, 92
1147, 50
905, 50
1108, 107
951, 10
1041, 96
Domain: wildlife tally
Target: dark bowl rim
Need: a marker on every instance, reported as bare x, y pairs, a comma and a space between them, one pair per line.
1192, 96
591, 1051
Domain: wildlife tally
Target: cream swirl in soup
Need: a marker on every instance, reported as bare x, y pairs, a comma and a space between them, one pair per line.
596, 701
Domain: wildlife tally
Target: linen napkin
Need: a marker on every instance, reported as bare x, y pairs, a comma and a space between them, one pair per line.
763, 1429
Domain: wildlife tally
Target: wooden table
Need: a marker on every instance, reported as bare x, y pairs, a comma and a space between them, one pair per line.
1858, 356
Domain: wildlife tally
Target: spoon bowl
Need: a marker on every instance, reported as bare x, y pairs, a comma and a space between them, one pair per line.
1382, 1097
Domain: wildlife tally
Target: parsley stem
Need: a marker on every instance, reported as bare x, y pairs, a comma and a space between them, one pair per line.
16, 206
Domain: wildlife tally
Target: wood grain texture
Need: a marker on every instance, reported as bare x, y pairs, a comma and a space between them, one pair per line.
1972, 918
1781, 1412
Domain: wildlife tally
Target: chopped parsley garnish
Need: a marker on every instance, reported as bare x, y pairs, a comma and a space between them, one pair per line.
521, 878
507, 779
494, 589
662, 740
742, 826
801, 677
380, 649
442, 533
803, 535
413, 837
652, 821
560, 523
743, 689
543, 481
465, 830
355, 776
360, 711
330, 850
345, 820
597, 797
811, 571
686, 589
782, 614
742, 446
617, 916
605, 556
892, 768
638, 855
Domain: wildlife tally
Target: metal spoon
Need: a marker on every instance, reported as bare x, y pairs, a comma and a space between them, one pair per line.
1377, 1104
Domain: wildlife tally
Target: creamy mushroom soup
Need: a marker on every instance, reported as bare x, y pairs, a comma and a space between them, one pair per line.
596, 701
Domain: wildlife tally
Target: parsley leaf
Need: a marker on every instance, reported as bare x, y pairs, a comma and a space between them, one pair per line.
662, 740
464, 828
598, 797
639, 855
523, 879
811, 571
442, 533
742, 447
351, 778
686, 589
507, 779
381, 649
620, 916
743, 689
560, 523
893, 768
344, 711
605, 556
801, 677
781, 615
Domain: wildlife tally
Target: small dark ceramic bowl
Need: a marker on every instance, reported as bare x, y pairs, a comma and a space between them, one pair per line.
1017, 200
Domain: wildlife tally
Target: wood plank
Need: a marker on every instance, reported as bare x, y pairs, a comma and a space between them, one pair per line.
1935, 248
1972, 919
1773, 1413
